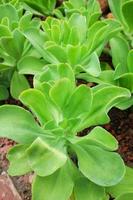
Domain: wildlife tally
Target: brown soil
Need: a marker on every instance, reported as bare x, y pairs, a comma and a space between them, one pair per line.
121, 126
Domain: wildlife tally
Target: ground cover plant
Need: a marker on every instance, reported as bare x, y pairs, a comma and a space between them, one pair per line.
122, 10
121, 75
13, 46
58, 46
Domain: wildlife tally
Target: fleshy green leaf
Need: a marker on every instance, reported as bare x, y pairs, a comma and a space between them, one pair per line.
118, 92
100, 137
44, 159
79, 103
95, 35
37, 39
79, 21
58, 53
119, 50
14, 45
30, 65
84, 190
18, 161
125, 186
99, 166
106, 197
103, 100
93, 65
4, 67
57, 94
4, 31
100, 32
37, 102
66, 71
41, 7
9, 11
54, 73
26, 21
130, 61
106, 76
18, 84
126, 81
125, 104
115, 7
128, 196
54, 187
73, 53
127, 9
73, 38
26, 129
77, 4
49, 74
3, 92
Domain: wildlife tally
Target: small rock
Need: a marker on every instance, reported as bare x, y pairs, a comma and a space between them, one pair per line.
7, 189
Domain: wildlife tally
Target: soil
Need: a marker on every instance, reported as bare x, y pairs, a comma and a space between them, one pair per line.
121, 126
